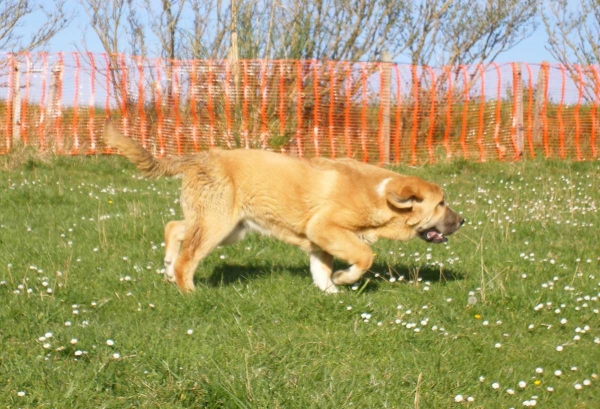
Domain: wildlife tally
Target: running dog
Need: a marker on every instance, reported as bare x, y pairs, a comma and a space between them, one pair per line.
328, 208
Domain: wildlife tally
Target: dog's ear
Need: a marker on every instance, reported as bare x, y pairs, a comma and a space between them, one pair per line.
406, 198
410, 195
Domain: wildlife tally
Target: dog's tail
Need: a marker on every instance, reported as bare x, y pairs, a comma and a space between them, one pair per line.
140, 157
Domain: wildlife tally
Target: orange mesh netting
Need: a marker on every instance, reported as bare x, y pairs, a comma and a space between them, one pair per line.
371, 111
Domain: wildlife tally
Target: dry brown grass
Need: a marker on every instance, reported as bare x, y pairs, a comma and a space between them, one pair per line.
25, 155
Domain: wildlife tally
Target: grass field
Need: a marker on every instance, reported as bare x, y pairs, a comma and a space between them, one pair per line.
506, 315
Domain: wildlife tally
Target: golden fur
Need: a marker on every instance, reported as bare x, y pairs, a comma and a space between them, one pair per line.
328, 208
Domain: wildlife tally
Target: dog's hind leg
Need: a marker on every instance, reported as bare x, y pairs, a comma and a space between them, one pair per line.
174, 233
321, 264
197, 243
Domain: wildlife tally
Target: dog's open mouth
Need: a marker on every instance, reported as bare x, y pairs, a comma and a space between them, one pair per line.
432, 236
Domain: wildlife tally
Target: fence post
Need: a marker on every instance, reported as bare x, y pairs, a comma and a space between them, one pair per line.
54, 107
386, 90
16, 103
518, 101
538, 108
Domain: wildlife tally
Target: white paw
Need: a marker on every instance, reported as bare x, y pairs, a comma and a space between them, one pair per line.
170, 271
331, 289
347, 277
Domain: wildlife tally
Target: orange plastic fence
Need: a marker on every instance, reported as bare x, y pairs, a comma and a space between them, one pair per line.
373, 111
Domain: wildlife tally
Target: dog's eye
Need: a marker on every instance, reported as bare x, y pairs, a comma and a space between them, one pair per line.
442, 203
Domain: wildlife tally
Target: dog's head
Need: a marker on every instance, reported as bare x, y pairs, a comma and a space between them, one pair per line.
427, 212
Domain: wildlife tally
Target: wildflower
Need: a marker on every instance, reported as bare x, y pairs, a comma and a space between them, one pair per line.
21, 393
495, 385
458, 398
110, 342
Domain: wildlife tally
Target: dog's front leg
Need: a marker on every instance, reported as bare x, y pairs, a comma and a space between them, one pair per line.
348, 276
344, 245
321, 264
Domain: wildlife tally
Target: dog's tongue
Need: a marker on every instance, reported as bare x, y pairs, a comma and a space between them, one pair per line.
435, 237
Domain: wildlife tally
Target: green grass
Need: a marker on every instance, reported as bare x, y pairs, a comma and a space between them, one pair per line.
90, 229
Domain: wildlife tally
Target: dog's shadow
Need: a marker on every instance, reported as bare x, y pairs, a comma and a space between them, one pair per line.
230, 273
372, 279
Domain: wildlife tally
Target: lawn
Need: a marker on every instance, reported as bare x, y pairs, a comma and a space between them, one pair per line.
505, 315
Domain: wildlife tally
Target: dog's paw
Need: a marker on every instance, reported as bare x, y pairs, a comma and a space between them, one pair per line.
331, 289
187, 288
185, 285
348, 276
169, 271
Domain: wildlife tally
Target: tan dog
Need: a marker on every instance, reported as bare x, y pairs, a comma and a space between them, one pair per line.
328, 208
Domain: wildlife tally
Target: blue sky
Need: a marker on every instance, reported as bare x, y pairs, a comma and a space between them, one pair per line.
530, 50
